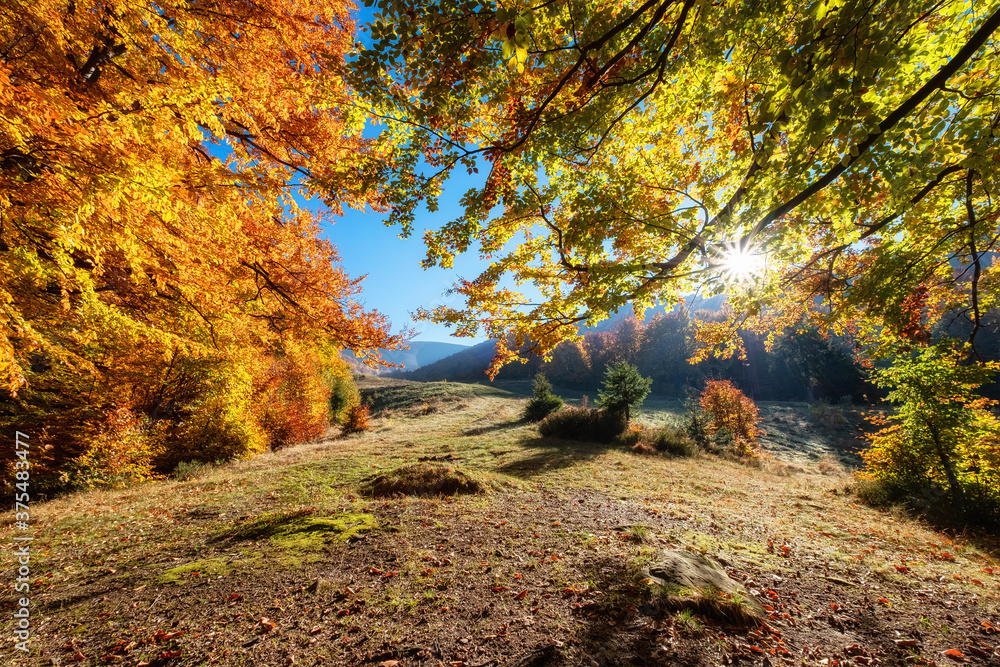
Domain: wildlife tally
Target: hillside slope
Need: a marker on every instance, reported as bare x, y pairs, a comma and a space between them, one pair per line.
288, 559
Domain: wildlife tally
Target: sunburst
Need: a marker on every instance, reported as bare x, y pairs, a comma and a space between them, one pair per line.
740, 262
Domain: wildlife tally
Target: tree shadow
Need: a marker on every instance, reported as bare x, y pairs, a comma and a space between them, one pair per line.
552, 454
502, 426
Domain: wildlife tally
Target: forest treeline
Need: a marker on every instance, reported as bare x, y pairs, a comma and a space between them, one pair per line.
801, 366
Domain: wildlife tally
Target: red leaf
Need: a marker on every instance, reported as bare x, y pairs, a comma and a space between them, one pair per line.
521, 595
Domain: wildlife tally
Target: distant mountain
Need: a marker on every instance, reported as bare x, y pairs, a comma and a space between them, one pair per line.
467, 365
420, 354
801, 366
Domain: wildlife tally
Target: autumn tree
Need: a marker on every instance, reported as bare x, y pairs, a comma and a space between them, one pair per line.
154, 259
818, 160
570, 365
733, 414
942, 436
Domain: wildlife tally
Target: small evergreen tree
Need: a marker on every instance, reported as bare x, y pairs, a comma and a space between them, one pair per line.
624, 389
544, 402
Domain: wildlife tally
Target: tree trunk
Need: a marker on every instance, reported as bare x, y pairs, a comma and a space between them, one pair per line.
955, 489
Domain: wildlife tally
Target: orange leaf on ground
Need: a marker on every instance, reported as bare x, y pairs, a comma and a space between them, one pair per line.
521, 595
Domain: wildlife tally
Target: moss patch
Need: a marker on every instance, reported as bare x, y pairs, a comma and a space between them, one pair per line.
296, 534
209, 567
311, 533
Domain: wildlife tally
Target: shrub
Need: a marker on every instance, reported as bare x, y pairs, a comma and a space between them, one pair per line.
309, 387
587, 424
356, 420
343, 394
732, 412
624, 390
663, 440
544, 402
120, 453
697, 427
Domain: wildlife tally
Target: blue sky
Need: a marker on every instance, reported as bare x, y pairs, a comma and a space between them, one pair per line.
396, 285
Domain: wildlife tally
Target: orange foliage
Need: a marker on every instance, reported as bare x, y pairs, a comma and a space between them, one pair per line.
141, 271
356, 420
733, 411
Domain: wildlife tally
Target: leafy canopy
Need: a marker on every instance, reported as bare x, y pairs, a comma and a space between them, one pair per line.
845, 149
118, 225
162, 295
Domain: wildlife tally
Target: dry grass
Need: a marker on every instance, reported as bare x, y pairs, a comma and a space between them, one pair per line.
788, 527
423, 479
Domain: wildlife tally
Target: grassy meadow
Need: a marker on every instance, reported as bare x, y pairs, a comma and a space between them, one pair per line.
293, 557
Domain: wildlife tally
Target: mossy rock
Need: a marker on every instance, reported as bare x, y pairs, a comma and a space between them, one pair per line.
698, 583
424, 479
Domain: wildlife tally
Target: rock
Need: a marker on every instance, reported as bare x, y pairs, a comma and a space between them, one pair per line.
683, 569
699, 584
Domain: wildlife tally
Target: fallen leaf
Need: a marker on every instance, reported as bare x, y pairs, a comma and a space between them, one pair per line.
389, 663
907, 643
521, 595
854, 649
955, 654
